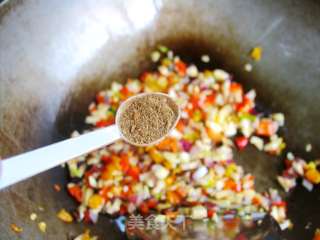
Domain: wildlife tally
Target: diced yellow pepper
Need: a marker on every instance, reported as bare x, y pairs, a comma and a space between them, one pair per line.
208, 73
95, 201
311, 165
197, 116
170, 180
166, 62
86, 235
15, 228
256, 53
163, 83
167, 165
313, 175
230, 170
156, 156
65, 216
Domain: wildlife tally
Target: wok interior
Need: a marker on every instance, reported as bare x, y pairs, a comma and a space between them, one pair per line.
53, 64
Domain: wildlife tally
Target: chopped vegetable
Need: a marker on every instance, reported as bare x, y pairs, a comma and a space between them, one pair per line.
95, 201
42, 227
241, 142
317, 234
155, 56
256, 53
313, 175
86, 236
267, 127
257, 142
248, 67
16, 229
205, 58
308, 147
65, 216
192, 172
199, 212
75, 191
33, 216
57, 187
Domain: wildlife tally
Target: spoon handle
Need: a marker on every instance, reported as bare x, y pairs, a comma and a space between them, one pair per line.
20, 167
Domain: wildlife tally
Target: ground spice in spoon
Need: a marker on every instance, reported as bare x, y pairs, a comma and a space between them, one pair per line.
148, 118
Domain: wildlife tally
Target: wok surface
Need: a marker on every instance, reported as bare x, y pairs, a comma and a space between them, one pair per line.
55, 55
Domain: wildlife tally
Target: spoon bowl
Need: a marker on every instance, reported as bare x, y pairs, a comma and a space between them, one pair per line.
130, 100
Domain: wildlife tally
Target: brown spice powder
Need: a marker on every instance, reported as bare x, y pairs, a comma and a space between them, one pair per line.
148, 118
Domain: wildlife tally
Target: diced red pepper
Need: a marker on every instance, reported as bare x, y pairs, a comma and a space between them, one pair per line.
152, 203
124, 91
134, 172
106, 159
288, 163
245, 106
267, 127
194, 100
76, 193
230, 184
181, 192
290, 173
104, 192
231, 224
86, 217
256, 201
181, 67
210, 212
123, 210
92, 170
128, 194
317, 235
279, 204
210, 99
181, 125
144, 76
100, 98
144, 208
241, 236
124, 163
241, 142
235, 87
173, 197
105, 122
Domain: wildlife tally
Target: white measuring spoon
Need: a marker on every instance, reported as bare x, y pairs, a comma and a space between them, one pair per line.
26, 165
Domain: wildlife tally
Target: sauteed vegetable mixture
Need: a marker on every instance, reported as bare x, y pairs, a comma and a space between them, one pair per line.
192, 172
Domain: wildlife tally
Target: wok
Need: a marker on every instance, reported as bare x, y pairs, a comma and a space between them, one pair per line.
55, 55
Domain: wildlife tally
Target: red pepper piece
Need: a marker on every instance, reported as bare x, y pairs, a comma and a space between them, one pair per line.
76, 193
144, 208
181, 67
241, 142
124, 163
100, 98
245, 106
106, 159
152, 203
105, 122
134, 172
267, 127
